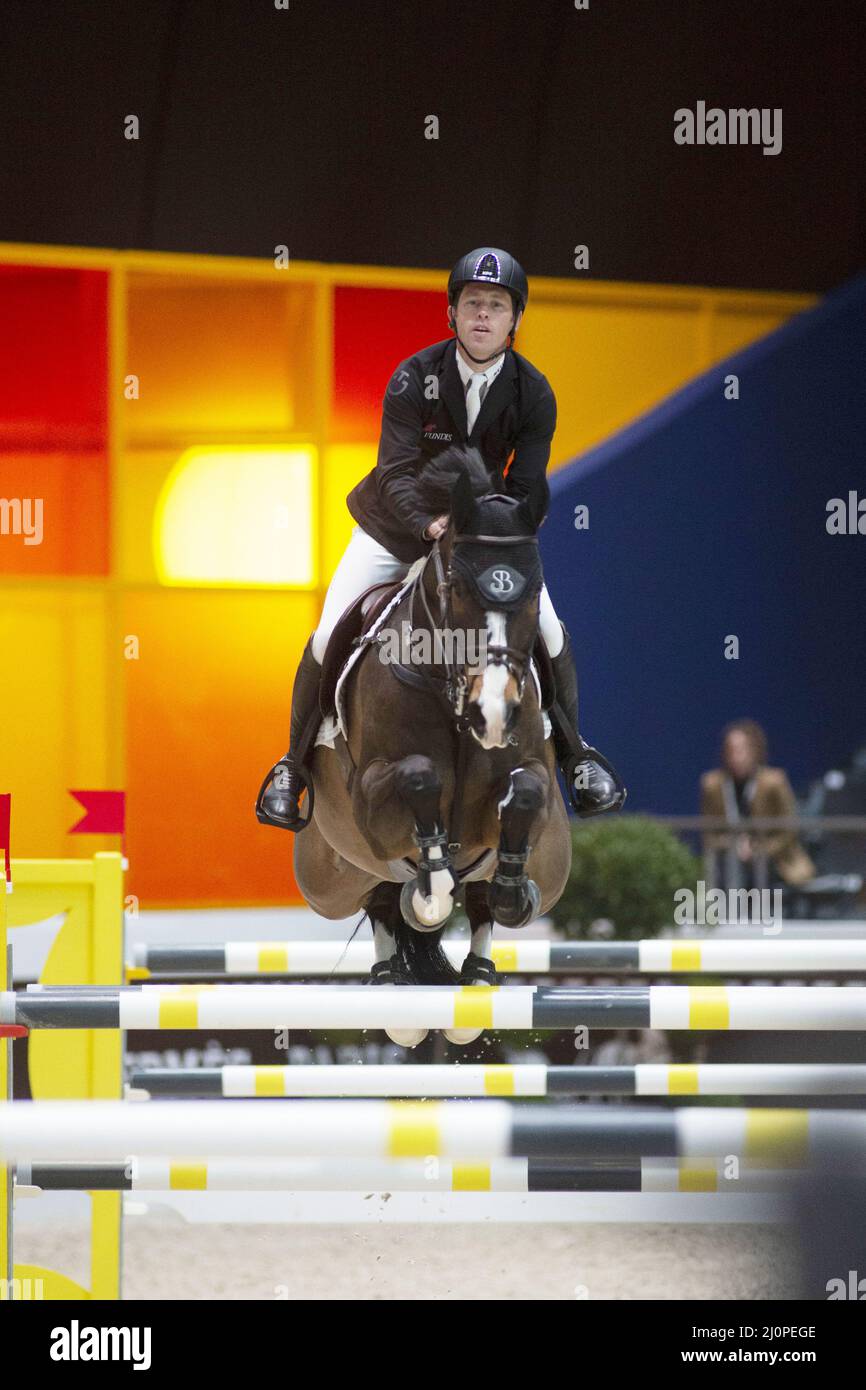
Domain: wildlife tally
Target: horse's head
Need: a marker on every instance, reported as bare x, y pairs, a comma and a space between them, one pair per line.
495, 571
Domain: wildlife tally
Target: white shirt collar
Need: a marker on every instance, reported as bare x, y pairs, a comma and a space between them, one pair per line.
490, 373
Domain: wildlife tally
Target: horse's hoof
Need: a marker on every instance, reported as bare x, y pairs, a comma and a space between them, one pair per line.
511, 914
461, 1036
407, 908
388, 972
407, 1037
476, 970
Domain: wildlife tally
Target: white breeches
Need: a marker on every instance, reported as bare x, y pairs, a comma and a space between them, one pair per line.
366, 562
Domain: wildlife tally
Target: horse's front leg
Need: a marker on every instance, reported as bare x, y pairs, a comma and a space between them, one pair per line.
514, 897
416, 785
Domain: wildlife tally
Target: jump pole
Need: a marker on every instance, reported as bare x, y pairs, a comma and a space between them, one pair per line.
50, 1131
276, 1006
655, 956
469, 1079
401, 1175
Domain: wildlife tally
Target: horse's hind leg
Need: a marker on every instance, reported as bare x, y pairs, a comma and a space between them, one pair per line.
478, 967
383, 909
389, 968
331, 885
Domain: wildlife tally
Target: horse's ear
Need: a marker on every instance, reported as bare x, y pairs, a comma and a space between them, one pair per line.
533, 507
462, 503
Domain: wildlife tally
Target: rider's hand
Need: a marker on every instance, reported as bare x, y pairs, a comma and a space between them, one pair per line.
437, 528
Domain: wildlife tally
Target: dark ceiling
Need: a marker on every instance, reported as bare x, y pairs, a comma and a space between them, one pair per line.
305, 126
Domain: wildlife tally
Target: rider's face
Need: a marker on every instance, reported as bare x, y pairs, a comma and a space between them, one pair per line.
739, 753
484, 316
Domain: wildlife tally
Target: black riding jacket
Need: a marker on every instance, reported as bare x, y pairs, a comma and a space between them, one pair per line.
424, 412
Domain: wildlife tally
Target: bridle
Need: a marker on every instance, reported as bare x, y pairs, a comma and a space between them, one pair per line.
453, 688
450, 691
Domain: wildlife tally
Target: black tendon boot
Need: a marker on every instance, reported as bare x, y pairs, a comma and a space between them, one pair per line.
593, 784
280, 793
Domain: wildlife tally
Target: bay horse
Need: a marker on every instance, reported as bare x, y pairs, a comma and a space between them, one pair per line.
444, 781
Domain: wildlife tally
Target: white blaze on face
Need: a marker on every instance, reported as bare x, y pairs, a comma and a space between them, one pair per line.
491, 699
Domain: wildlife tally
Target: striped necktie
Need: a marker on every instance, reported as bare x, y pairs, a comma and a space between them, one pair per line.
475, 393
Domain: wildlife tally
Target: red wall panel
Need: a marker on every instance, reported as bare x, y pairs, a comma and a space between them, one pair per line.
374, 329
53, 358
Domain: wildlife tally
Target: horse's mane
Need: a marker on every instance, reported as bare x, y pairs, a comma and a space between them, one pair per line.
437, 477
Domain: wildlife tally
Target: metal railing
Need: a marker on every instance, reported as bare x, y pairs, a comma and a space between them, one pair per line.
724, 867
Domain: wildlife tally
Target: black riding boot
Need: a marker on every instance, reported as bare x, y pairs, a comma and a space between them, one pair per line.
593, 784
280, 793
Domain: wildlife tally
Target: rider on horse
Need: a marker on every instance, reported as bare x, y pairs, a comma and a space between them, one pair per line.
472, 390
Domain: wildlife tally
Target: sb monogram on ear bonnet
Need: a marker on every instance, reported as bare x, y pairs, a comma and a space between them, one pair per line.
503, 571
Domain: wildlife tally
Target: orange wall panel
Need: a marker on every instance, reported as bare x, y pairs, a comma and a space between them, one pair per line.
73, 492
214, 356
207, 713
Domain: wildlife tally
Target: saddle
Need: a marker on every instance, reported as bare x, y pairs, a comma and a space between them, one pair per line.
358, 617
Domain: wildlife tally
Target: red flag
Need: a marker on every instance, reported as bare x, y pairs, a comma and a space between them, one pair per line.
5, 833
105, 813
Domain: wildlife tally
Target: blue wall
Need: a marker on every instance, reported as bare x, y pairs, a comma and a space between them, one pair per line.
707, 517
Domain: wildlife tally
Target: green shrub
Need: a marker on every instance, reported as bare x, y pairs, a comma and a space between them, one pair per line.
625, 869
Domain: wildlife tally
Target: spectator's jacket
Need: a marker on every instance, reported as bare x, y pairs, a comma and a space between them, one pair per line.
424, 412
772, 796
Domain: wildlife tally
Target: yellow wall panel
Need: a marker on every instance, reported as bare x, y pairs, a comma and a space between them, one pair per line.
733, 328
345, 465
140, 476
608, 362
59, 723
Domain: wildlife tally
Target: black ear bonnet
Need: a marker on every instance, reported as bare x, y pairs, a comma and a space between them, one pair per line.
502, 569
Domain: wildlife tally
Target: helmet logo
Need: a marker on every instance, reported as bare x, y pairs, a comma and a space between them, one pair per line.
487, 268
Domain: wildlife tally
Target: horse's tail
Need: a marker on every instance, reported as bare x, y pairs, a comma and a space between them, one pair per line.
419, 955
422, 957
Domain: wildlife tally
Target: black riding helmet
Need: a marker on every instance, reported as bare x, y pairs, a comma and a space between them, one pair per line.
488, 265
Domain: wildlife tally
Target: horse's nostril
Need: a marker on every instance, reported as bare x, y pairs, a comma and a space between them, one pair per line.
476, 718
